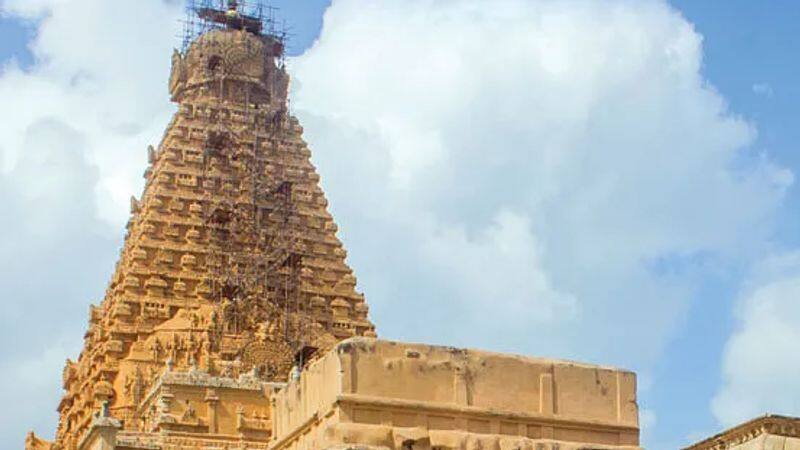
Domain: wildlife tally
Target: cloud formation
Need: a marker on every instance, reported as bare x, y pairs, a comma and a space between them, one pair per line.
100, 67
760, 363
54, 257
75, 127
551, 177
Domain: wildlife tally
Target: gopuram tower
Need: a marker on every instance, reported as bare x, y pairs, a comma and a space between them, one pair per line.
232, 321
231, 267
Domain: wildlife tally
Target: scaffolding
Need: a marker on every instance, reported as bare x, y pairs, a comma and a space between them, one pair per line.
254, 261
254, 16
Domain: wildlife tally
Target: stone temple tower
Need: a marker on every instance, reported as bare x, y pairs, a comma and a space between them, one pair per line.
232, 321
231, 267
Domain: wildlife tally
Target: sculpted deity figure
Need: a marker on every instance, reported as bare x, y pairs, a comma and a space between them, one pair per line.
192, 347
130, 381
172, 348
155, 349
152, 373
206, 354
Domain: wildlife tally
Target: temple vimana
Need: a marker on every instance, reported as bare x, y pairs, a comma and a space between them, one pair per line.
232, 320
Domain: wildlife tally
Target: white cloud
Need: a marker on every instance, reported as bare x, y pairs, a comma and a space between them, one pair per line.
75, 126
452, 250
55, 258
763, 89
100, 68
32, 389
565, 158
761, 363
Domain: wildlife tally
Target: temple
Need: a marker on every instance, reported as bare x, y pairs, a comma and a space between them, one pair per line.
769, 432
232, 320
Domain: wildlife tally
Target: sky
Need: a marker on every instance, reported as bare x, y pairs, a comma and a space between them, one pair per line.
604, 180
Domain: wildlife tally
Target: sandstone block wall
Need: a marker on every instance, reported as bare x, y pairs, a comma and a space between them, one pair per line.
389, 394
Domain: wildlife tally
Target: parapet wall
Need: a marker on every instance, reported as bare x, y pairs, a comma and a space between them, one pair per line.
370, 392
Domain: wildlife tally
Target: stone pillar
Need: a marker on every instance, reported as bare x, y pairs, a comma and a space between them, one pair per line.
106, 437
212, 400
461, 386
547, 402
546, 394
102, 433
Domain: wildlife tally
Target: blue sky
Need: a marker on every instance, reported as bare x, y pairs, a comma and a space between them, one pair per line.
746, 44
14, 35
698, 295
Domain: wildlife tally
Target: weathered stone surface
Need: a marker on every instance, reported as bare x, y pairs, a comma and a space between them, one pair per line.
769, 432
403, 396
225, 251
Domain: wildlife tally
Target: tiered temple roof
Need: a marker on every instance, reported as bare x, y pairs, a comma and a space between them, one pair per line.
231, 263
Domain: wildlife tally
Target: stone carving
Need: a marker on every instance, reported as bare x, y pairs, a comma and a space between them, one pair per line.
268, 359
766, 432
178, 75
218, 291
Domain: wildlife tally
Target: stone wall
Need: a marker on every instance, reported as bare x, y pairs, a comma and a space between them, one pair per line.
393, 395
